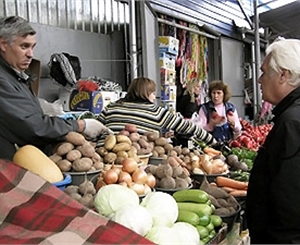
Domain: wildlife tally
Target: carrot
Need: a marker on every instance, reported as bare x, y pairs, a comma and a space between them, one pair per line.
224, 181
238, 193
212, 151
228, 189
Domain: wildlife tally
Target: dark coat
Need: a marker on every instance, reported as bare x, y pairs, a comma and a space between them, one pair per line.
273, 199
22, 120
186, 107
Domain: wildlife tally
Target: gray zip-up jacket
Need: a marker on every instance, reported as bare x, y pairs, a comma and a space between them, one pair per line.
22, 120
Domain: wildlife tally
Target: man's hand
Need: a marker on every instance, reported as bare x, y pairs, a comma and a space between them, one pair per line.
94, 128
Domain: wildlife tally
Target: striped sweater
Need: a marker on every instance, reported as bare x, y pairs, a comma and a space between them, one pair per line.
149, 117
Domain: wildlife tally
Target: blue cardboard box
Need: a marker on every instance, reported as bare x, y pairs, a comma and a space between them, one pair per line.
86, 101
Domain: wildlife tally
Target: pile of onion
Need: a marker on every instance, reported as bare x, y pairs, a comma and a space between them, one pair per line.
129, 175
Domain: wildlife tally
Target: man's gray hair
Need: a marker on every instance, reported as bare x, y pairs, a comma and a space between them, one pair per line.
285, 55
13, 26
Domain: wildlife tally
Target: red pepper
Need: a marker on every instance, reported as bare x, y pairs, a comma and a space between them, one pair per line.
235, 143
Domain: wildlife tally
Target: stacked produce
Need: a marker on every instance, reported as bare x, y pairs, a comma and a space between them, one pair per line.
154, 217
128, 174
84, 193
224, 203
195, 208
170, 174
76, 154
252, 137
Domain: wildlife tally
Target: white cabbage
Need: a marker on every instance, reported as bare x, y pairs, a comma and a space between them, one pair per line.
187, 233
163, 235
162, 207
110, 198
136, 218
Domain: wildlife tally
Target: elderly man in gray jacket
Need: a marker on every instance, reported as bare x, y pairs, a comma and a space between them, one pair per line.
22, 120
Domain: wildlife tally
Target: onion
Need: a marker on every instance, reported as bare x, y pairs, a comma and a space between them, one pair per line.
123, 184
151, 181
147, 189
129, 165
139, 176
125, 177
110, 177
138, 188
100, 183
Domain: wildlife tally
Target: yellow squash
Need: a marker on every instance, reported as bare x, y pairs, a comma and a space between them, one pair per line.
34, 160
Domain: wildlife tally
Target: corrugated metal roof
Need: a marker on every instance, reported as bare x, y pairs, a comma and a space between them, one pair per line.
283, 21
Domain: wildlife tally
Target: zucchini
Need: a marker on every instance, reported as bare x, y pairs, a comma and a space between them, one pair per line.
191, 195
188, 217
199, 208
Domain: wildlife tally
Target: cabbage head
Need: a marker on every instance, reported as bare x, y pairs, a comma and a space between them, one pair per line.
187, 233
162, 207
136, 218
111, 197
163, 235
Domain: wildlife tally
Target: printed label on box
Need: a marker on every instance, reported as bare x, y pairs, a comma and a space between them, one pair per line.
86, 101
167, 61
168, 92
168, 44
167, 76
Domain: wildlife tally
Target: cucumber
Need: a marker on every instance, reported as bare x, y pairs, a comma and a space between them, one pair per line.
216, 220
188, 217
191, 195
199, 208
203, 232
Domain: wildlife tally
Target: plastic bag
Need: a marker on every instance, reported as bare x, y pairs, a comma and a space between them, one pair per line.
52, 109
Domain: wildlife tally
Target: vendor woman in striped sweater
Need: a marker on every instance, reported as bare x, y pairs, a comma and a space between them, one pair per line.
138, 108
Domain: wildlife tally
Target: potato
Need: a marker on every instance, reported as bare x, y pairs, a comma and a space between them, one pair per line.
86, 150
73, 155
109, 142
82, 165
154, 153
110, 157
119, 160
134, 137
143, 143
102, 151
136, 145
132, 152
168, 147
75, 138
64, 165
96, 157
124, 132
64, 148
123, 138
159, 149
121, 147
123, 154
131, 128
161, 141
152, 136
98, 165
55, 157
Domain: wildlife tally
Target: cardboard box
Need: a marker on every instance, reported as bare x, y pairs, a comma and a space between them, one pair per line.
167, 77
168, 92
168, 44
167, 61
86, 101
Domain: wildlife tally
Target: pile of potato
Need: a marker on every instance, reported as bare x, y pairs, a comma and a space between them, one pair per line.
76, 154
84, 193
170, 174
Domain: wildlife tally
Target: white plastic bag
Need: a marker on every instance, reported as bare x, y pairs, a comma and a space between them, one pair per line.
52, 109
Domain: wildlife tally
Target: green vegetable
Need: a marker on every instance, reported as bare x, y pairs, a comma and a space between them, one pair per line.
216, 220
191, 195
204, 220
203, 232
212, 234
210, 227
188, 217
199, 208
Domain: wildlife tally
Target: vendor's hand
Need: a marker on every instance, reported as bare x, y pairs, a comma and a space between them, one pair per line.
230, 120
216, 119
94, 128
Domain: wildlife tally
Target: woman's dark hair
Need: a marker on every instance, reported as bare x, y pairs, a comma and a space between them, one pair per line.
139, 90
220, 85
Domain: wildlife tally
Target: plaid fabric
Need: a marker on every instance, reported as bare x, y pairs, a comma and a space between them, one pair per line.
33, 211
